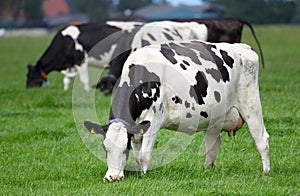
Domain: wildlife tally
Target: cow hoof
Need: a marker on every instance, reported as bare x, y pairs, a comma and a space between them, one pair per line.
113, 179
266, 170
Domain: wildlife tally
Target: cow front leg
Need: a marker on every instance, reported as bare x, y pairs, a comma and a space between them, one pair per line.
67, 82
136, 144
212, 145
146, 150
83, 74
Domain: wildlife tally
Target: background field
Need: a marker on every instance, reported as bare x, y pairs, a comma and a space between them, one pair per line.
41, 151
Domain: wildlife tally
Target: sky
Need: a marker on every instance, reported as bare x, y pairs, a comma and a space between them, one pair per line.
186, 2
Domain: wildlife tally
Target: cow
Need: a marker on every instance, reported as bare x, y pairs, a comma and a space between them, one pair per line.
150, 33
225, 30
218, 30
188, 86
68, 51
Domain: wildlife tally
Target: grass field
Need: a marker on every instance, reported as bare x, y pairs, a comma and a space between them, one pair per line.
41, 152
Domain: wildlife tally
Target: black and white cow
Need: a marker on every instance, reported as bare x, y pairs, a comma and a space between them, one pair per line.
186, 86
68, 51
150, 33
218, 30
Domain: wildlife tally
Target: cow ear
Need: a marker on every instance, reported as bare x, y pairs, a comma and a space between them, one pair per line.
95, 128
140, 128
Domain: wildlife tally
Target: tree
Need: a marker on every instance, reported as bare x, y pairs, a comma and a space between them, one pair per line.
97, 10
296, 18
33, 12
258, 11
132, 4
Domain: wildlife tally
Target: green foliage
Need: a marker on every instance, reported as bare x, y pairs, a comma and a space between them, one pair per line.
97, 10
132, 4
41, 152
33, 11
259, 11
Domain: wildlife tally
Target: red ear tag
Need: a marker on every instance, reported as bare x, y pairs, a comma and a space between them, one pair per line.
44, 76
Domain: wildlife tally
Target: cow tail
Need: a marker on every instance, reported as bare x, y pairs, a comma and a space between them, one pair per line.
256, 40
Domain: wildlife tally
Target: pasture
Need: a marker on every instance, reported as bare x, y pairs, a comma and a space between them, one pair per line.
41, 152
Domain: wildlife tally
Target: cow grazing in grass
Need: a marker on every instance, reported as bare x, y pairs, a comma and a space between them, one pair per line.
150, 33
186, 86
68, 51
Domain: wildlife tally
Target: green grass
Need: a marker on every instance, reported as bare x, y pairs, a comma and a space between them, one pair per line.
41, 152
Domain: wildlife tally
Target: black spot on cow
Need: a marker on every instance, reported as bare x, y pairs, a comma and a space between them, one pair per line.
208, 54
177, 99
151, 36
169, 37
154, 109
132, 65
227, 59
186, 62
185, 51
217, 96
193, 107
141, 103
142, 90
161, 107
177, 34
168, 53
199, 90
187, 104
145, 43
214, 73
182, 66
188, 115
204, 114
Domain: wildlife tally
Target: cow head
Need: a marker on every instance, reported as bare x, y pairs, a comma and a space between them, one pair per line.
35, 78
116, 143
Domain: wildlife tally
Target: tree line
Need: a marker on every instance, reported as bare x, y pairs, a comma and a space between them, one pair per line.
261, 11
254, 11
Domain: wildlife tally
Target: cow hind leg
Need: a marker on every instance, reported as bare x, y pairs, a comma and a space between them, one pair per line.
252, 114
260, 137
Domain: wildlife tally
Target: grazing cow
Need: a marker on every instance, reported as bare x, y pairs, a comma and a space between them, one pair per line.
186, 86
218, 30
151, 33
68, 51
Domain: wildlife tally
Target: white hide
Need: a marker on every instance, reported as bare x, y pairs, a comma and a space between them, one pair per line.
186, 31
128, 26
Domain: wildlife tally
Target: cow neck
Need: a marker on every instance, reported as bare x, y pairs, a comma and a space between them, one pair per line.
42, 69
44, 72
